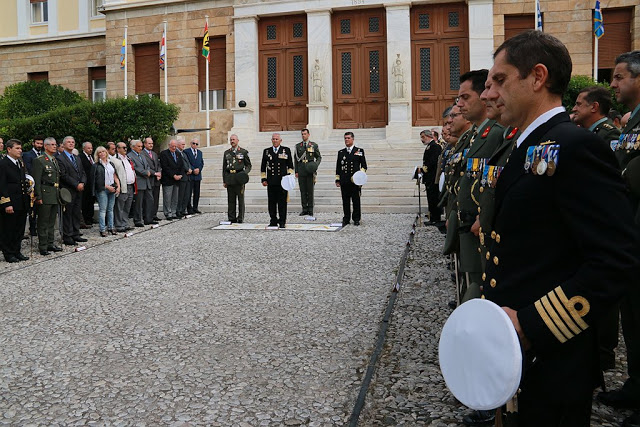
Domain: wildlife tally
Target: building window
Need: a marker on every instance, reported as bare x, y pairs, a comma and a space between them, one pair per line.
95, 6
39, 11
98, 83
217, 75
147, 69
38, 76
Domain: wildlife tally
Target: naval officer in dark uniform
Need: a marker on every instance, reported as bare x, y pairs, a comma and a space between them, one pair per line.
350, 160
626, 84
564, 248
276, 163
430, 159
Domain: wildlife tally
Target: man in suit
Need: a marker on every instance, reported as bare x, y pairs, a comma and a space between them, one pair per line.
144, 197
88, 200
235, 161
184, 186
276, 163
73, 178
626, 84
46, 174
196, 161
156, 169
306, 161
350, 160
562, 246
14, 202
127, 190
430, 158
27, 159
172, 171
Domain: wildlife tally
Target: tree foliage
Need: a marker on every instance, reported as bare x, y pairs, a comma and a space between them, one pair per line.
577, 83
32, 98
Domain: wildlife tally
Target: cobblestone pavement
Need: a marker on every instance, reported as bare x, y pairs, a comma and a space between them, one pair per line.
184, 325
408, 388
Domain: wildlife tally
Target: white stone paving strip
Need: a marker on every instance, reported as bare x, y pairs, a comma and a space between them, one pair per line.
183, 325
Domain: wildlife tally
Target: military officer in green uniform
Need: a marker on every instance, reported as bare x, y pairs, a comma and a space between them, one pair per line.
46, 175
590, 112
485, 139
236, 166
626, 84
307, 158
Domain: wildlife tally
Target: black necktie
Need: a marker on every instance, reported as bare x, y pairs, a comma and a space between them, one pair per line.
75, 164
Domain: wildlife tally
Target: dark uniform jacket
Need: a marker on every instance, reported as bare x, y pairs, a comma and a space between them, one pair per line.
46, 174
170, 167
306, 154
562, 253
607, 131
627, 153
28, 158
430, 162
232, 163
349, 163
71, 175
276, 165
14, 188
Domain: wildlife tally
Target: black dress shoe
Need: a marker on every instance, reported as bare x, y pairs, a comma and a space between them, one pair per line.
103, 234
155, 218
345, 223
620, 399
21, 257
54, 248
45, 253
479, 418
282, 225
151, 223
632, 420
70, 242
80, 239
303, 213
239, 221
197, 211
273, 224
356, 222
11, 259
139, 224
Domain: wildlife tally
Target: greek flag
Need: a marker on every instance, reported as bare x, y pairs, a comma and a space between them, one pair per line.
538, 16
598, 23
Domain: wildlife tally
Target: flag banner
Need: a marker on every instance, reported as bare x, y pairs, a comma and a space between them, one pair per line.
598, 23
205, 43
538, 16
123, 51
163, 50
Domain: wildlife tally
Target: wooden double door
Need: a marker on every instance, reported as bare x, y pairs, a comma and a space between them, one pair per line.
440, 55
283, 73
359, 69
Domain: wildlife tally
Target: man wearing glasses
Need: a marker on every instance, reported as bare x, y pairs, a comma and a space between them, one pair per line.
194, 155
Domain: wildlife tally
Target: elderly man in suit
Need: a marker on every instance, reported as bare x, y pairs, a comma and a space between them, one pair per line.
185, 184
88, 200
14, 202
73, 178
172, 170
156, 169
143, 179
194, 155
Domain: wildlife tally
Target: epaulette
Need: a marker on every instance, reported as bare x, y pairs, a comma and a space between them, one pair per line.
607, 126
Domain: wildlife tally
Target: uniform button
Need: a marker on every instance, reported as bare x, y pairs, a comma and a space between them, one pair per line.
495, 260
488, 256
480, 229
484, 276
481, 189
461, 173
481, 288
493, 283
493, 234
480, 250
498, 238
479, 209
482, 297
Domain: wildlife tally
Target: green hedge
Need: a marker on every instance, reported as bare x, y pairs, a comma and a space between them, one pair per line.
577, 83
27, 99
117, 119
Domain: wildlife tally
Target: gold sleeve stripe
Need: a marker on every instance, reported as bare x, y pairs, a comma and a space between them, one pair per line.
563, 313
5, 200
556, 319
337, 177
290, 170
263, 175
547, 321
570, 307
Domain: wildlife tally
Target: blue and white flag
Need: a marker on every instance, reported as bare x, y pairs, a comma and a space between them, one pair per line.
538, 16
598, 23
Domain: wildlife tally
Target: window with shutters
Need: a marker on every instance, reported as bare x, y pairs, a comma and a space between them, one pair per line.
38, 76
516, 24
98, 83
147, 70
39, 11
217, 75
616, 39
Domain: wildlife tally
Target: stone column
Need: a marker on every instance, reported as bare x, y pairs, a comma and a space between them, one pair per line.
399, 71
245, 119
481, 34
320, 66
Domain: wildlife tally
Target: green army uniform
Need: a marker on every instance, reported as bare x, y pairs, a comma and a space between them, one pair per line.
483, 143
605, 129
46, 174
306, 161
236, 166
451, 177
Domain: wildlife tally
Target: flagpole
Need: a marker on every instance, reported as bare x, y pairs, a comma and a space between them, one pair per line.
206, 17
126, 60
595, 58
166, 84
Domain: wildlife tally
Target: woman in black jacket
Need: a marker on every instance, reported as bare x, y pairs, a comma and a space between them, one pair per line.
104, 186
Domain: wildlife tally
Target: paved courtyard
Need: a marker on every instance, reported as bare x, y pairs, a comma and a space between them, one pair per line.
184, 325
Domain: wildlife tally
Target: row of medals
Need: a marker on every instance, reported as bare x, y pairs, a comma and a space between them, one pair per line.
542, 159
